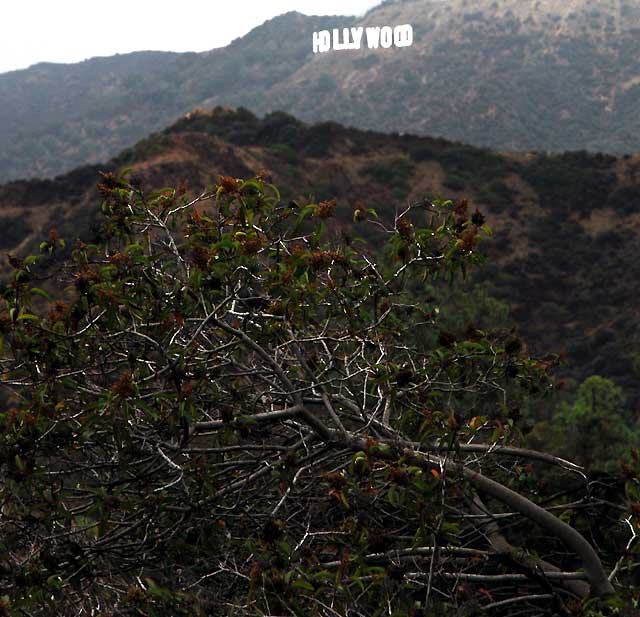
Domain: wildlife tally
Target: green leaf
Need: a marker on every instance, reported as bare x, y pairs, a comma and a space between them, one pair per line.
253, 183
134, 248
317, 234
302, 584
55, 581
392, 496
28, 317
40, 292
274, 188
106, 271
306, 211
19, 462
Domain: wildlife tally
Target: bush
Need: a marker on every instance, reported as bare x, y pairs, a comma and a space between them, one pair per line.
454, 182
497, 196
394, 173
595, 430
14, 230
228, 414
568, 182
285, 153
423, 151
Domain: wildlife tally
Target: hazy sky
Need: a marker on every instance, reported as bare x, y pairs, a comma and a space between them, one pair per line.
73, 30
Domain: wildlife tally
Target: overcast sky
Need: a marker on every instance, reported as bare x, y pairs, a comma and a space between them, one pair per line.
73, 30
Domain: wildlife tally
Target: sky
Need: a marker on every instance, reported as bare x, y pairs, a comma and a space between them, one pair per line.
74, 30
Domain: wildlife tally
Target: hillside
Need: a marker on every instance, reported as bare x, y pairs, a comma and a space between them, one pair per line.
54, 117
524, 75
566, 227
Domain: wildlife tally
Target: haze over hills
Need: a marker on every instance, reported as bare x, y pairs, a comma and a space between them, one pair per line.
54, 117
507, 74
567, 227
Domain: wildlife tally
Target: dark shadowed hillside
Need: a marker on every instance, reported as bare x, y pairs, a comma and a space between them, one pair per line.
566, 227
507, 74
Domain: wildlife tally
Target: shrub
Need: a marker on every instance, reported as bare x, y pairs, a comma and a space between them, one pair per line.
226, 413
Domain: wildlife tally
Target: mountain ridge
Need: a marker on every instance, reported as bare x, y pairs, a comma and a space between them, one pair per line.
539, 75
566, 227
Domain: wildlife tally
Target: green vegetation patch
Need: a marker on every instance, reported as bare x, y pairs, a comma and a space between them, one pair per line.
469, 168
277, 129
497, 195
14, 231
395, 173
147, 148
573, 181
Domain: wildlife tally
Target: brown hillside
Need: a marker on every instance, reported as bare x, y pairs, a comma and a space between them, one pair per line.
566, 228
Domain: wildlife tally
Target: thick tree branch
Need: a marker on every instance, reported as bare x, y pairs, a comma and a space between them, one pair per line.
502, 547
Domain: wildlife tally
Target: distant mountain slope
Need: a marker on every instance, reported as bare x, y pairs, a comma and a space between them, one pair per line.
511, 74
508, 74
567, 227
54, 117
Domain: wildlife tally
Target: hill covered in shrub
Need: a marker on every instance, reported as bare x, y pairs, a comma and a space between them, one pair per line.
565, 227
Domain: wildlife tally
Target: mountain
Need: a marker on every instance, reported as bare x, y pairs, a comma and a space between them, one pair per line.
566, 227
515, 75
54, 117
518, 75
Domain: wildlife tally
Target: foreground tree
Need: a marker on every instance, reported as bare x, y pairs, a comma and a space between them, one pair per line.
234, 412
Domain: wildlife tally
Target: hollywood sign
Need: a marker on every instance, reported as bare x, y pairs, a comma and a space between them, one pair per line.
351, 38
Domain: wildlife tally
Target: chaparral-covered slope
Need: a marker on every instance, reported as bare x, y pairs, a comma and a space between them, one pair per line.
566, 227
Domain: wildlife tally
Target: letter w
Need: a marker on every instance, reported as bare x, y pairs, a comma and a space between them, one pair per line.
373, 37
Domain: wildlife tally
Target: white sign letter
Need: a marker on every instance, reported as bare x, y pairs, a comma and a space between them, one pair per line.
386, 37
373, 37
337, 45
321, 41
403, 35
356, 35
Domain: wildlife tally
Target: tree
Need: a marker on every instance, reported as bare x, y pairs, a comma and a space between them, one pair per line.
595, 430
234, 410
